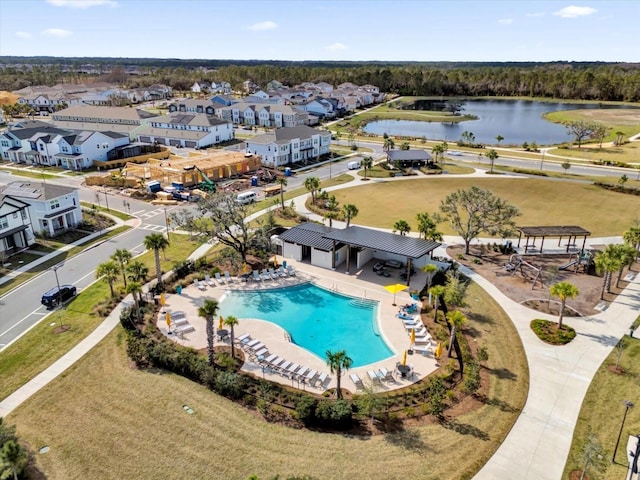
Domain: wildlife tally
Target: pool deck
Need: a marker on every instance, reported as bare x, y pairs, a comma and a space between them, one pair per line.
363, 284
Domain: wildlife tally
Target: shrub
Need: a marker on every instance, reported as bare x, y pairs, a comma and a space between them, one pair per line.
472, 377
337, 414
483, 353
306, 409
436, 389
229, 384
549, 332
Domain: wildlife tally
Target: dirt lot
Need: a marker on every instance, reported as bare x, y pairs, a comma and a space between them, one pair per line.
518, 284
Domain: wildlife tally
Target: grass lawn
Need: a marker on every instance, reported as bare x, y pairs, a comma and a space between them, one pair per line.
116, 213
102, 409
602, 411
41, 346
542, 202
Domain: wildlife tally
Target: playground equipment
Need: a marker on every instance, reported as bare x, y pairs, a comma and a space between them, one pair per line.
583, 259
516, 262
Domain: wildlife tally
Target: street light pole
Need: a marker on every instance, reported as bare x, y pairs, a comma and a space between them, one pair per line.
166, 222
58, 302
627, 405
106, 199
542, 159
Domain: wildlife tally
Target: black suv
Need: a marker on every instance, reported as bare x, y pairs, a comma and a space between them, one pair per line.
50, 299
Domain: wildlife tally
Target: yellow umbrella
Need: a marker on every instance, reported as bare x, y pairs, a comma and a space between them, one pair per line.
221, 321
404, 358
168, 319
244, 267
162, 299
275, 261
395, 288
438, 351
413, 335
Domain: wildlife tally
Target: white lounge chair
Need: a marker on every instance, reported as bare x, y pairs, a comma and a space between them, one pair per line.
319, 383
292, 368
250, 344
280, 271
256, 347
179, 322
273, 274
373, 376
290, 270
261, 352
356, 381
219, 278
282, 368
265, 275
256, 276
198, 285
227, 277
209, 281
386, 375
301, 373
241, 338
184, 329
309, 378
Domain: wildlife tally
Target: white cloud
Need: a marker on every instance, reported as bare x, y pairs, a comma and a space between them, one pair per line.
23, 35
336, 46
535, 14
82, 3
57, 32
268, 25
505, 21
572, 12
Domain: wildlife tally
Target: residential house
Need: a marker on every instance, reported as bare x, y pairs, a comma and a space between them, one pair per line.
221, 87
223, 99
113, 119
200, 87
191, 130
285, 146
16, 233
52, 209
52, 146
192, 105
318, 106
265, 115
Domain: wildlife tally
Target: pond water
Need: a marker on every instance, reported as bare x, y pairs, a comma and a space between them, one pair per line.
518, 121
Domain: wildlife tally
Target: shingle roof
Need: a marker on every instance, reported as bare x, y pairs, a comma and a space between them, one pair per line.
407, 155
44, 191
309, 234
554, 231
410, 247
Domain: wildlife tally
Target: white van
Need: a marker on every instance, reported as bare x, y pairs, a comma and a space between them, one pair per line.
246, 197
353, 165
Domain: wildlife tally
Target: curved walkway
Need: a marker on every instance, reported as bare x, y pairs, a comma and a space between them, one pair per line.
538, 444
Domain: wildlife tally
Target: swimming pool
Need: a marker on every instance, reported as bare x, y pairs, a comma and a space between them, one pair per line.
317, 319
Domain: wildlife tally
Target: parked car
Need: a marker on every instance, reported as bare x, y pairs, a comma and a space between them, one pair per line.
51, 298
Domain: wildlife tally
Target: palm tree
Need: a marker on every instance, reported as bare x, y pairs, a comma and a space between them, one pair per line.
492, 155
231, 322
156, 242
456, 320
436, 292
402, 227
108, 270
437, 150
427, 227
564, 291
338, 362
632, 237
313, 185
137, 271
607, 262
389, 144
627, 256
367, 163
135, 289
282, 181
430, 269
349, 211
499, 138
208, 311
122, 256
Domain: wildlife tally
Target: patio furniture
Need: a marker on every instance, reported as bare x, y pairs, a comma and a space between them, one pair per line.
250, 343
265, 275
300, 373
223, 333
209, 281
310, 377
179, 321
291, 271
292, 368
386, 375
373, 376
256, 276
219, 278
184, 329
280, 271
319, 383
273, 274
282, 368
227, 277
261, 353
241, 338
269, 359
198, 285
403, 370
356, 381
177, 314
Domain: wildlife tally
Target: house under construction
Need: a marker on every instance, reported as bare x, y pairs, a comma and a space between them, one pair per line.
196, 169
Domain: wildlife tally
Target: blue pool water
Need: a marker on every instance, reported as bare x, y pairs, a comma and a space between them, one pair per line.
317, 319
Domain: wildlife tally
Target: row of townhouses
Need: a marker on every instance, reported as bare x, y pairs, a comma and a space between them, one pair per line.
285, 146
46, 100
29, 208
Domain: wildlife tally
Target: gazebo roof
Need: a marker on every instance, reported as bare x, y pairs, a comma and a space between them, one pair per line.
554, 231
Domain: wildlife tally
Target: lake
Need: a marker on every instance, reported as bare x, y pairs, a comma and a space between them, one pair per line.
518, 121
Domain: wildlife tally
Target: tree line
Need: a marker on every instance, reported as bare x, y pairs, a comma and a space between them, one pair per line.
565, 80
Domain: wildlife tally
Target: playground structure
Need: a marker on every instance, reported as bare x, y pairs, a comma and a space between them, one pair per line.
579, 260
517, 263
571, 232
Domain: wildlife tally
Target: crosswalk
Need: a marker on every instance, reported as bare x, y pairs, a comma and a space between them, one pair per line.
153, 228
147, 215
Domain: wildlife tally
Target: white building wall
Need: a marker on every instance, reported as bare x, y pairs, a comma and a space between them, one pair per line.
341, 255
291, 250
320, 258
363, 257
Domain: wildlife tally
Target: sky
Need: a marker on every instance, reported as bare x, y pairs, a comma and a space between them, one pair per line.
359, 30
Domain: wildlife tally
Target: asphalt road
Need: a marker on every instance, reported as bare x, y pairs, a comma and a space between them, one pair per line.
20, 309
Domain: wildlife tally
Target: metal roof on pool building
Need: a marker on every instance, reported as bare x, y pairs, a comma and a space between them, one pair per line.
321, 237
